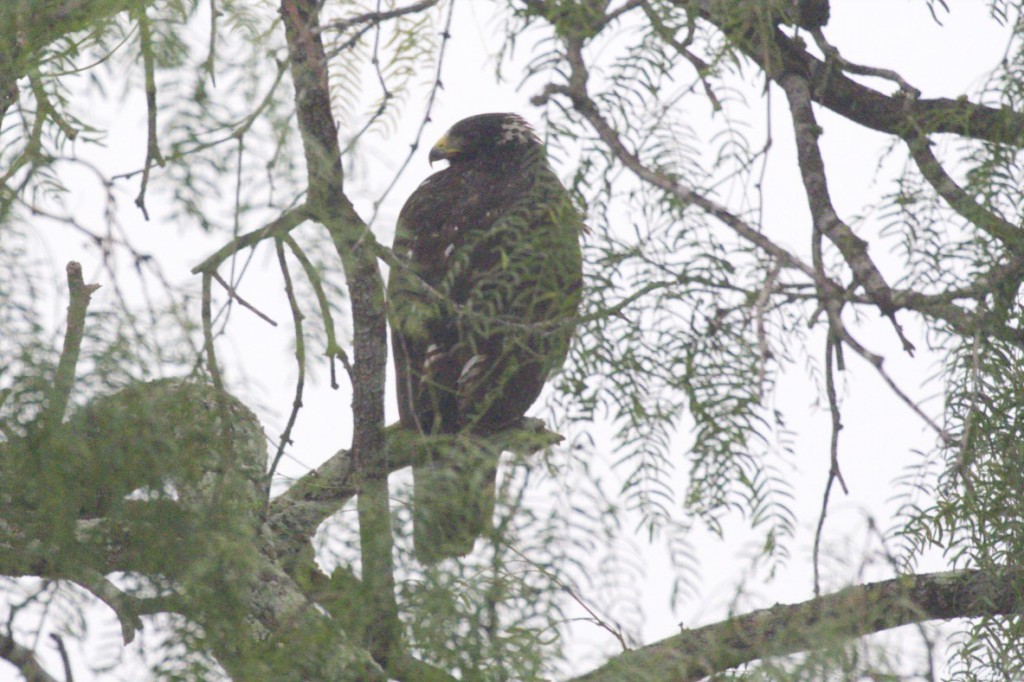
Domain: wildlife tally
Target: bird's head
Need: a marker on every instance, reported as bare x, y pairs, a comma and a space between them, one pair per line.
483, 134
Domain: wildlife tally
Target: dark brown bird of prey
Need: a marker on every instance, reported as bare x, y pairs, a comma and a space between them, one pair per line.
482, 306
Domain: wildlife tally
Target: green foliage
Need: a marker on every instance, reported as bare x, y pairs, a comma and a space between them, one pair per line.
671, 338
964, 497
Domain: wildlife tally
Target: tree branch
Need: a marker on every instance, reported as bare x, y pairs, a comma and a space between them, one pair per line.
153, 155
836, 91
577, 93
993, 224
940, 305
279, 227
847, 614
78, 303
826, 221
295, 515
24, 660
376, 547
355, 246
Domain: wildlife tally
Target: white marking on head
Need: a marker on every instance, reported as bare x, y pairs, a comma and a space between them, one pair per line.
515, 129
448, 250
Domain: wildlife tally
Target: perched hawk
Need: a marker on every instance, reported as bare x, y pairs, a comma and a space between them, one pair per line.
482, 307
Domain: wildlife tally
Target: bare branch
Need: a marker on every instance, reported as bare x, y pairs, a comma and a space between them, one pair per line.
300, 359
65, 659
376, 546
832, 348
331, 207
334, 349
832, 54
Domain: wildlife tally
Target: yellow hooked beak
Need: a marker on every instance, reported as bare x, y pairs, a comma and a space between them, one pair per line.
442, 149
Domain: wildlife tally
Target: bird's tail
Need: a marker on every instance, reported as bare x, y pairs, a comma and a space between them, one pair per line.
453, 502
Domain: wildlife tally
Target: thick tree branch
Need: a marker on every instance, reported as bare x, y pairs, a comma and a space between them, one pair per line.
823, 213
329, 205
296, 514
836, 91
847, 614
376, 544
354, 244
994, 225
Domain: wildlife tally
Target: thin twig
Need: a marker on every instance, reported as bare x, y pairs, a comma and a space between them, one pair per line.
963, 461
300, 359
334, 349
832, 55
245, 304
834, 472
372, 19
682, 48
208, 346
153, 155
281, 225
435, 88
760, 310
595, 618
209, 64
64, 658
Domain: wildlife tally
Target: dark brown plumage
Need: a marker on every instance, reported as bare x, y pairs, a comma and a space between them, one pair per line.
481, 310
